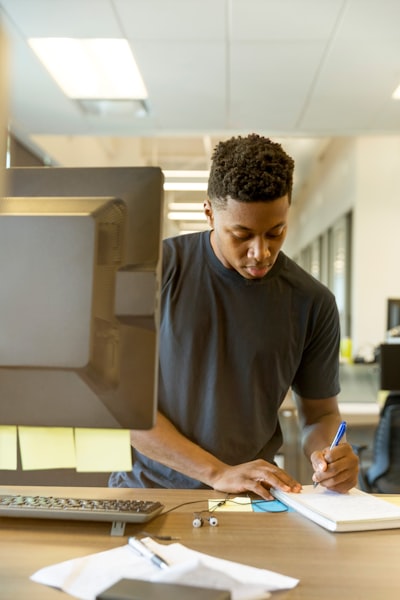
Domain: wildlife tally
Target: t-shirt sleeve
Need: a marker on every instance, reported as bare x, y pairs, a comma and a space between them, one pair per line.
318, 372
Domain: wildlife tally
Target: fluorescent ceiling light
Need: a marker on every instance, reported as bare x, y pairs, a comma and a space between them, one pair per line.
186, 206
91, 68
186, 174
114, 107
185, 186
186, 216
396, 93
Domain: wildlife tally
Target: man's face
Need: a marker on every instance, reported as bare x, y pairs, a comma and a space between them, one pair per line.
247, 236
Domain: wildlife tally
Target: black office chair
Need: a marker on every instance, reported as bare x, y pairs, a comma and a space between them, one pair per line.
383, 475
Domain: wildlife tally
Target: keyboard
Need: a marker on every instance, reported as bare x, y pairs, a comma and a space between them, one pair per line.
85, 509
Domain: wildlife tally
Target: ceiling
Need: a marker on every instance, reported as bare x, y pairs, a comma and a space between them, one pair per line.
299, 71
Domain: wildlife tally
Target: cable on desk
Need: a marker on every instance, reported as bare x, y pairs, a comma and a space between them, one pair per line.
165, 512
220, 503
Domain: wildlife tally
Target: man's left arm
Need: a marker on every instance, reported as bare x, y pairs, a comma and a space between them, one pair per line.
335, 469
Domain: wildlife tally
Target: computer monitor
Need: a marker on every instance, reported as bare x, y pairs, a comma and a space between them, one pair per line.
389, 361
80, 252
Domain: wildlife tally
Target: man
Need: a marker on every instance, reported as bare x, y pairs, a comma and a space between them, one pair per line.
241, 323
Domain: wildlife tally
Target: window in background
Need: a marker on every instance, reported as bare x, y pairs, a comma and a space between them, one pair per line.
305, 259
339, 270
324, 249
315, 259
328, 259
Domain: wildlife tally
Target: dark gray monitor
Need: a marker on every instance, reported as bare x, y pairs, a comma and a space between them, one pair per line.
389, 363
80, 264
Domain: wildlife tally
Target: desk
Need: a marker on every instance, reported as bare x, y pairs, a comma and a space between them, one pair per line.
330, 566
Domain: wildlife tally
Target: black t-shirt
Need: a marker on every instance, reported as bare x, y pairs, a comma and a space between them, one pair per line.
230, 348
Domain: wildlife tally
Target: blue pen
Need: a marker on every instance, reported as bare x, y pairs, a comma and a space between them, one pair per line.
339, 434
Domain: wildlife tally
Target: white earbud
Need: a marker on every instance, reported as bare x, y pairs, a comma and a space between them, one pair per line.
213, 521
198, 521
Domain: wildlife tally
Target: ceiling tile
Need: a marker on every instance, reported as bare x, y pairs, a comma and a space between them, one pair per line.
174, 20
284, 19
270, 82
186, 83
63, 18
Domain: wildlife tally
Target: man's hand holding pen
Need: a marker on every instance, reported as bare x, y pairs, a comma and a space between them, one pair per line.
336, 467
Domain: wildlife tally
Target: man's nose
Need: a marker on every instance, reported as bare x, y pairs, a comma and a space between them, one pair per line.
259, 249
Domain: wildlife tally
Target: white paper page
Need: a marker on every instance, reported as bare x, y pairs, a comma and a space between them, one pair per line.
179, 554
197, 574
86, 577
353, 506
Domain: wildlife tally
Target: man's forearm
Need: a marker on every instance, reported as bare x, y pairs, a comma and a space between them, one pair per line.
319, 420
320, 435
166, 445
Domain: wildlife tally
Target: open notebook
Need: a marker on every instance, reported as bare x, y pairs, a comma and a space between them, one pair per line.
354, 511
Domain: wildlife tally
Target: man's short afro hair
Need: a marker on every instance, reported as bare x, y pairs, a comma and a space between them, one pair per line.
250, 169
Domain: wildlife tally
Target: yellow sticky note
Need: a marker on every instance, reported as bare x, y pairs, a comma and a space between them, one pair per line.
103, 450
8, 447
47, 448
394, 499
382, 395
239, 504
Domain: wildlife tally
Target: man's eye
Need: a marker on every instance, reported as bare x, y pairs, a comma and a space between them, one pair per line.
276, 235
241, 236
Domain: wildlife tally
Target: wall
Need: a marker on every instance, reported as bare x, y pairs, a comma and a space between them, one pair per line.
376, 239
359, 174
328, 195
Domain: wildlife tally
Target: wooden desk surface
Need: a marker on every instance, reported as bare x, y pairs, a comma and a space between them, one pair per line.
359, 566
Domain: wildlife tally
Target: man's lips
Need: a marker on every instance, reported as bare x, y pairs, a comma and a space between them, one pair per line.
258, 270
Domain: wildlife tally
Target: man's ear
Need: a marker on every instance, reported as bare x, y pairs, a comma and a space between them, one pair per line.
208, 211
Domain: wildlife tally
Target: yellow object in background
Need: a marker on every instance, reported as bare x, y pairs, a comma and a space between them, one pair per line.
382, 396
103, 450
47, 448
346, 350
86, 450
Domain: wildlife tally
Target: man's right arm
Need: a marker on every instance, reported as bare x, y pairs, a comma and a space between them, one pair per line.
165, 444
